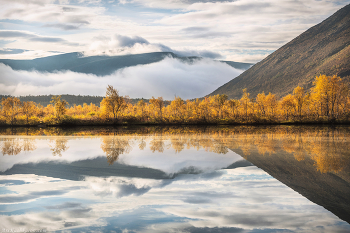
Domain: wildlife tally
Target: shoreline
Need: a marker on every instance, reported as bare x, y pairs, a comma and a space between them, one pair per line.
165, 124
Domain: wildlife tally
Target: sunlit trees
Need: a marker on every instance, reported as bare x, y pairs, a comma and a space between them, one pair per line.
299, 96
271, 104
177, 108
157, 105
245, 102
113, 103
59, 105
232, 106
10, 108
329, 100
141, 106
219, 102
261, 103
328, 92
28, 108
288, 105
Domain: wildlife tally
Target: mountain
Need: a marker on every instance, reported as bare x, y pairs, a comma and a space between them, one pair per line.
99, 65
323, 49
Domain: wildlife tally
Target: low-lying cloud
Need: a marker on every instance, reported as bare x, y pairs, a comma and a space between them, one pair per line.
122, 45
166, 78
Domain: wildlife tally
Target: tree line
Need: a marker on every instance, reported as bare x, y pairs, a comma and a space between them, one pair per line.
327, 101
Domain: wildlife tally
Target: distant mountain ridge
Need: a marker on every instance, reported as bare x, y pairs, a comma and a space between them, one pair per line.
100, 65
323, 49
72, 100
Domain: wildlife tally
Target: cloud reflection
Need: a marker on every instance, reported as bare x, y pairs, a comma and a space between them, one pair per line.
186, 204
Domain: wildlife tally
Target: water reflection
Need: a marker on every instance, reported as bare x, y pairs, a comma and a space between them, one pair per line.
115, 146
59, 146
14, 146
329, 148
177, 179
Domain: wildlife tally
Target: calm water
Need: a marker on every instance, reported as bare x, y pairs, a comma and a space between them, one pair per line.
238, 179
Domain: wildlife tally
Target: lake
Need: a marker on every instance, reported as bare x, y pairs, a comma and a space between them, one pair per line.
175, 179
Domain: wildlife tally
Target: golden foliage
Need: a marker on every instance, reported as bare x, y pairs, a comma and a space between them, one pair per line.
328, 101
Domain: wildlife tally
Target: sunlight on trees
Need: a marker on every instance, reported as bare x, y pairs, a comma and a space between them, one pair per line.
328, 101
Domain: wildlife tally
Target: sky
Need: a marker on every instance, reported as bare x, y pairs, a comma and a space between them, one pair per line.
240, 31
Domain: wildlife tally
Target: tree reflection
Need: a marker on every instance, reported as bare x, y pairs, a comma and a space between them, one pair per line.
29, 144
59, 146
142, 144
324, 147
157, 144
115, 146
328, 149
11, 146
14, 146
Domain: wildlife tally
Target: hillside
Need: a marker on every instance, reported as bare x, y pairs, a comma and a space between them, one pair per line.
72, 100
323, 49
99, 65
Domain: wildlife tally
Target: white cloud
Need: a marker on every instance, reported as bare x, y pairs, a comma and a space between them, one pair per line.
122, 45
166, 78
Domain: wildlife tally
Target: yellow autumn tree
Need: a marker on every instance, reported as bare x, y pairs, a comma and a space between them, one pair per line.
299, 95
158, 105
327, 93
113, 103
59, 105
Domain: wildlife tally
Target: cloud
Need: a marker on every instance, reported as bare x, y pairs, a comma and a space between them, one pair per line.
8, 53
204, 32
236, 30
180, 206
66, 205
122, 45
174, 4
15, 34
213, 229
66, 27
27, 2
12, 51
33, 37
125, 41
166, 78
24, 197
122, 187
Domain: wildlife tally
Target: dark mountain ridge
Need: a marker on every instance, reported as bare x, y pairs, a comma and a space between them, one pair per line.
322, 49
100, 65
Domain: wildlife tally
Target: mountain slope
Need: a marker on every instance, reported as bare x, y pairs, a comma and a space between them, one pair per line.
99, 65
323, 49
